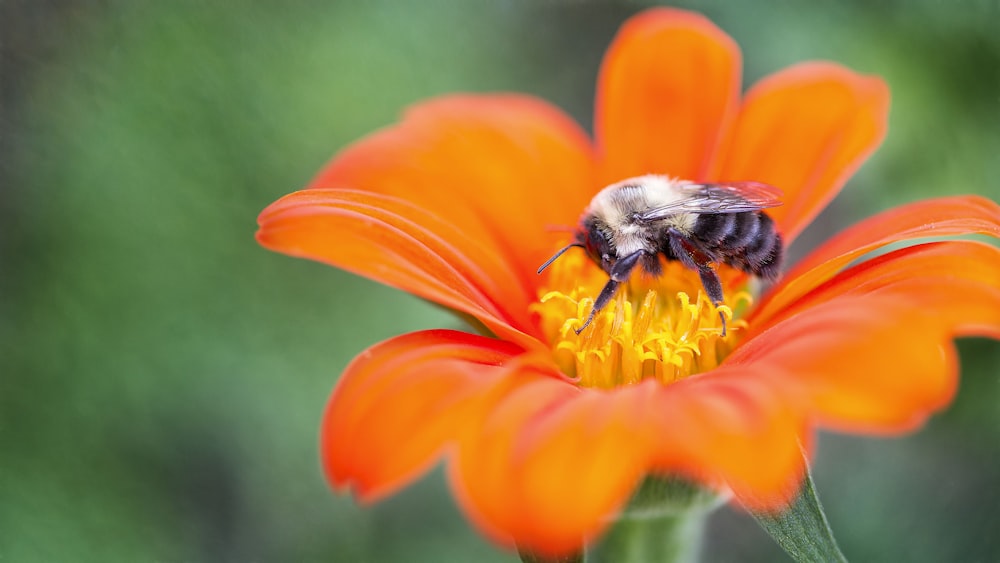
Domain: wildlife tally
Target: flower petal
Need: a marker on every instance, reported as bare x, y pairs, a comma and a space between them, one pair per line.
550, 464
669, 82
957, 281
400, 402
732, 426
870, 350
805, 130
402, 245
929, 218
501, 169
865, 364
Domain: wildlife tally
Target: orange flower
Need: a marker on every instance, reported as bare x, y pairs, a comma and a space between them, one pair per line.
545, 433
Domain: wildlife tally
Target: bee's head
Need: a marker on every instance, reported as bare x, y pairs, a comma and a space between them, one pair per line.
590, 236
593, 237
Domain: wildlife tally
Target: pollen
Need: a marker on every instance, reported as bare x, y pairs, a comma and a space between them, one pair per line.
664, 328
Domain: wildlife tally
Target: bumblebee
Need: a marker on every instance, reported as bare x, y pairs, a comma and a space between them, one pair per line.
637, 221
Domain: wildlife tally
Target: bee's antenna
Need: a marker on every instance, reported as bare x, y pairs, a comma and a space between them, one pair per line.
557, 255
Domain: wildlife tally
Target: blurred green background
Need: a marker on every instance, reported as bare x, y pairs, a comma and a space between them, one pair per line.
162, 376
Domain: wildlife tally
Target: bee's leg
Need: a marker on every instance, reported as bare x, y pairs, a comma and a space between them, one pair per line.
619, 273
709, 279
605, 296
676, 241
713, 288
624, 266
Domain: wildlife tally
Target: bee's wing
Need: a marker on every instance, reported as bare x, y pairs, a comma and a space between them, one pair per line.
728, 197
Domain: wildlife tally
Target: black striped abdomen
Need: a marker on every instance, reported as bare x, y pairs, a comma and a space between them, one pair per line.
746, 241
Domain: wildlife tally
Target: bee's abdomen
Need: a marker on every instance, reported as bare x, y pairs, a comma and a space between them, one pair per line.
764, 256
713, 228
747, 241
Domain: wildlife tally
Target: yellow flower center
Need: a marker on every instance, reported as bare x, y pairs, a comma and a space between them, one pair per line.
665, 328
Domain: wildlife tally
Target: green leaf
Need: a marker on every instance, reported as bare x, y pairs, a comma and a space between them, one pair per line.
802, 530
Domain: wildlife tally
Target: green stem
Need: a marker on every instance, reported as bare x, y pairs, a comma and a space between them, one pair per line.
663, 539
664, 523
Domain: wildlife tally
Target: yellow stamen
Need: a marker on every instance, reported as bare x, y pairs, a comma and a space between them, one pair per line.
665, 328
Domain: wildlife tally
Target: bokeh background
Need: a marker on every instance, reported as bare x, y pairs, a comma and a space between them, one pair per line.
162, 377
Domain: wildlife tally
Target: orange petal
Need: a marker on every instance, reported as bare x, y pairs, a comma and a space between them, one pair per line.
805, 130
551, 463
930, 218
402, 245
503, 170
669, 82
875, 363
871, 348
955, 280
400, 402
732, 426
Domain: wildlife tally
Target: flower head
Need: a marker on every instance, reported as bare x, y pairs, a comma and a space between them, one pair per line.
546, 432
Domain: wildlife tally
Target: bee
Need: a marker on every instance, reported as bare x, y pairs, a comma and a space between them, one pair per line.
636, 221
